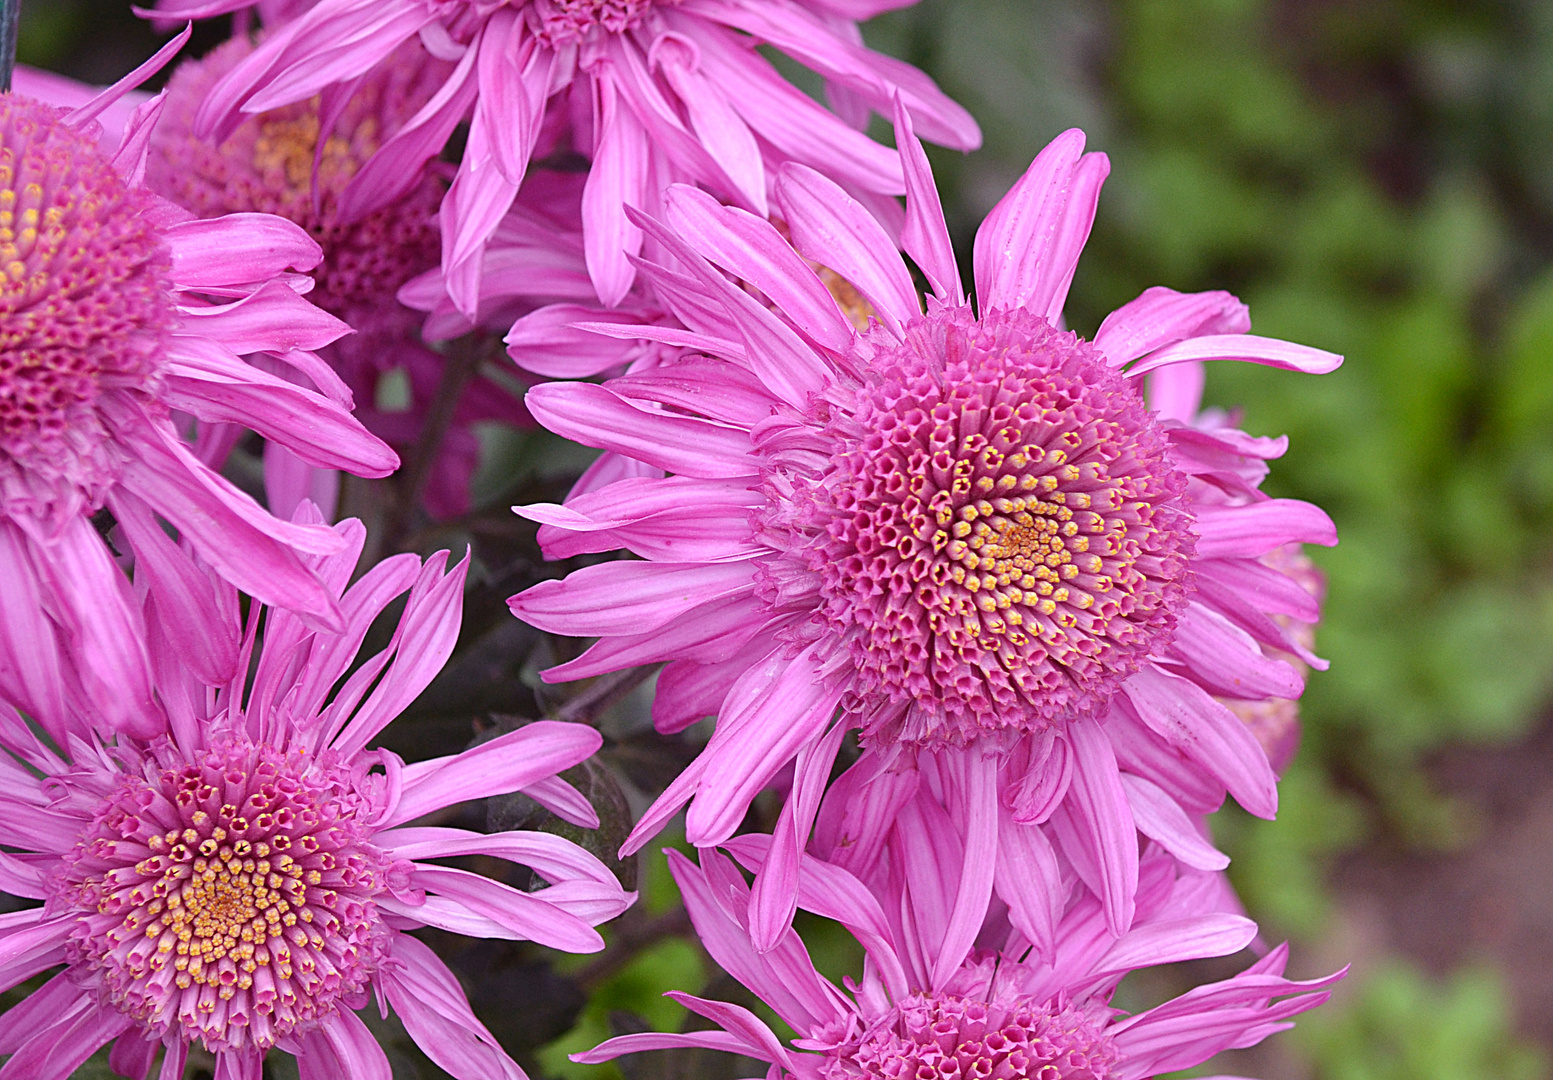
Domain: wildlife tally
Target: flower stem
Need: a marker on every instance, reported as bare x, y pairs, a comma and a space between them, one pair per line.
10, 22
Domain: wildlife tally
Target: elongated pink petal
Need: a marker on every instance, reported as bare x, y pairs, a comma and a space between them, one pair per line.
85, 114
1161, 819
1246, 347
1029, 881
428, 1000
237, 249
831, 228
618, 179
1227, 659
978, 870
525, 914
610, 1049
1175, 392
1099, 809
765, 721
564, 341
595, 416
749, 248
1161, 316
627, 597
1028, 247
1178, 939
711, 633
505, 763
926, 235
1238, 531
1202, 728
340, 1046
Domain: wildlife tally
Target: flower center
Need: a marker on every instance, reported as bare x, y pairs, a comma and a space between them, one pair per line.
563, 20
1000, 538
927, 1037
229, 896
267, 166
83, 286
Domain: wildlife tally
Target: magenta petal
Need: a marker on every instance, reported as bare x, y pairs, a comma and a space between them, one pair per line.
238, 249
618, 179
1228, 660
610, 1049
1178, 939
1097, 805
627, 597
1161, 819
774, 896
1204, 730
29, 651
595, 416
506, 763
85, 114
1175, 392
1029, 881
926, 236
527, 915
429, 1001
1161, 316
1254, 530
340, 1046
1245, 347
768, 717
978, 870
831, 228
751, 249
1028, 247
550, 341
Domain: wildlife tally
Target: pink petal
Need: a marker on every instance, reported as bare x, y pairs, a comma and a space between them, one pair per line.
831, 228
610, 1049
749, 248
595, 416
716, 123
627, 597
1227, 659
711, 632
1203, 729
340, 1046
1175, 392
978, 869
1238, 531
503, 764
1099, 810
1161, 316
1029, 881
768, 717
85, 114
526, 915
238, 249
1161, 819
1169, 942
1028, 247
1246, 347
562, 341
926, 235
430, 1003
617, 180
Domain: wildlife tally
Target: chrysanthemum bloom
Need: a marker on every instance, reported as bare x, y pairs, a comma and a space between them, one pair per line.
652, 91
283, 162
926, 1009
966, 531
245, 879
116, 310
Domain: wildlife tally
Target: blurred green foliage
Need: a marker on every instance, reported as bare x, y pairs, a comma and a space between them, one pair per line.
1402, 1026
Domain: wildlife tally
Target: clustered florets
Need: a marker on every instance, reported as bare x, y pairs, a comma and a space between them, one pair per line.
949, 1037
999, 534
83, 308
230, 896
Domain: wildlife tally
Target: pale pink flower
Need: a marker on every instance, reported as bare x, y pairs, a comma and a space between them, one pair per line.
932, 1007
244, 879
651, 91
119, 313
970, 535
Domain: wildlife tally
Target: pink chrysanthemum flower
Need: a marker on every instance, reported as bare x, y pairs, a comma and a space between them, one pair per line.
968, 532
118, 314
283, 162
245, 879
931, 1008
652, 91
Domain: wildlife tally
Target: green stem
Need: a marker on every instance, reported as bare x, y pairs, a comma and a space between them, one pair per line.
10, 23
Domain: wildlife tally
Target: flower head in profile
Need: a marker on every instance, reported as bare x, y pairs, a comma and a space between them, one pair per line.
651, 91
967, 531
929, 1006
117, 310
244, 880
